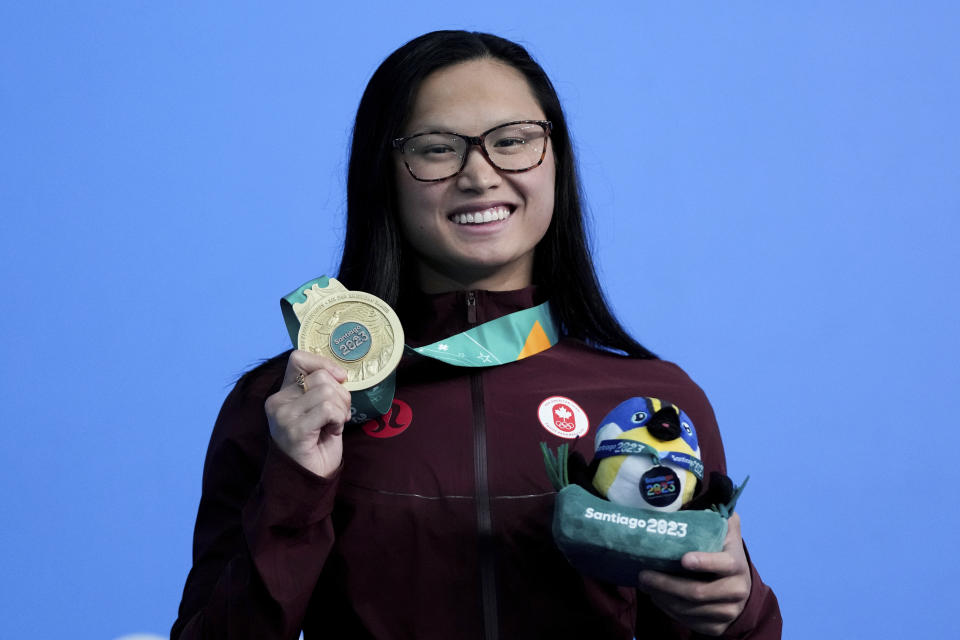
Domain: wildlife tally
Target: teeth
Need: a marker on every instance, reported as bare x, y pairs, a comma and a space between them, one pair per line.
493, 214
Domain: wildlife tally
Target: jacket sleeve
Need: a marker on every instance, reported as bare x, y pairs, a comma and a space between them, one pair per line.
262, 535
760, 619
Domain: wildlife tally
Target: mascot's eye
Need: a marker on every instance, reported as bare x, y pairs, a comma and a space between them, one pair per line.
638, 417
686, 427
664, 424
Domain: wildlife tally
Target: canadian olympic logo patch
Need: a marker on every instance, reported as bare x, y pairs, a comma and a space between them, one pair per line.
563, 417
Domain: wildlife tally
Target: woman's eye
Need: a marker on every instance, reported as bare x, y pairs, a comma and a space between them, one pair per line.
437, 149
510, 146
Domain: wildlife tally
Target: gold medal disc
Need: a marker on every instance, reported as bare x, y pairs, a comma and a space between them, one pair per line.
359, 331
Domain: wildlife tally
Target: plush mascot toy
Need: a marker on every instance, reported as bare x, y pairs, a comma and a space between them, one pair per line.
648, 456
623, 512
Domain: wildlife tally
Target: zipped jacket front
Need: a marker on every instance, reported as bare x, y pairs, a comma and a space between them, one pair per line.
438, 523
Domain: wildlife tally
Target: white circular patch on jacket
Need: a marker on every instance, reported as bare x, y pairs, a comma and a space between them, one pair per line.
563, 417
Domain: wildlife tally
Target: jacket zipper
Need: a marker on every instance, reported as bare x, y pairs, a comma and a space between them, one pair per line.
488, 585
471, 307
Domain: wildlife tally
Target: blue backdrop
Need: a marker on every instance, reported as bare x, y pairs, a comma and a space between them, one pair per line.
775, 200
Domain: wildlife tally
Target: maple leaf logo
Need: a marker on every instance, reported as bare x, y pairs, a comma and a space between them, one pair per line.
564, 419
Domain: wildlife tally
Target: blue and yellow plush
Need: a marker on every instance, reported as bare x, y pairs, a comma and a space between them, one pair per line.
648, 455
622, 513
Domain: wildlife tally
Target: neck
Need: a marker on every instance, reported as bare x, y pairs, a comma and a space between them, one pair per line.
508, 278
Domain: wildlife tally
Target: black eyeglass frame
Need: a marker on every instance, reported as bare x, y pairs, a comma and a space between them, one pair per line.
475, 141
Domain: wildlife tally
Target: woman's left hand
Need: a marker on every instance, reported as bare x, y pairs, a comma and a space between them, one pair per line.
707, 604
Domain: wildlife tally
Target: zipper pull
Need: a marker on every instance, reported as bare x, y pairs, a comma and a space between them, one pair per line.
471, 307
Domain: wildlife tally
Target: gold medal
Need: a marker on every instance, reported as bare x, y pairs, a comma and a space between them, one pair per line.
355, 329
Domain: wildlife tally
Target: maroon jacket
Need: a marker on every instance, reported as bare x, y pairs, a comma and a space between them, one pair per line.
442, 529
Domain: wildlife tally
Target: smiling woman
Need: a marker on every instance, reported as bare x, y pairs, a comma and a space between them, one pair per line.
478, 228
434, 520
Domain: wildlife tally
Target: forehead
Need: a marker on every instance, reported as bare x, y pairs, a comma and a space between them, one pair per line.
470, 97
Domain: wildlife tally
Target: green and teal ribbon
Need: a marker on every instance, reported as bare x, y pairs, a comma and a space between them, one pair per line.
509, 338
297, 296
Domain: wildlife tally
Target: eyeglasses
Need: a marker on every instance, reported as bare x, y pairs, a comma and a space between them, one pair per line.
438, 155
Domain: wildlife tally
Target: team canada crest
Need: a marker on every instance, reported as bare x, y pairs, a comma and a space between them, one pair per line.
563, 417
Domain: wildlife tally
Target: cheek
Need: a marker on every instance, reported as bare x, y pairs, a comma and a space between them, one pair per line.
545, 190
417, 203
408, 203
549, 177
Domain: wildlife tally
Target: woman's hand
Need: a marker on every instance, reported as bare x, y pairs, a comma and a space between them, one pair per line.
707, 604
306, 418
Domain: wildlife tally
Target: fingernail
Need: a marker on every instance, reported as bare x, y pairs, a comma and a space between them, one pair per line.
693, 562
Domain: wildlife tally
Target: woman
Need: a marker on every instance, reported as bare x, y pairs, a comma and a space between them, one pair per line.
435, 520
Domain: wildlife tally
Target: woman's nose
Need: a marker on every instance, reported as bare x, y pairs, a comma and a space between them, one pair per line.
478, 173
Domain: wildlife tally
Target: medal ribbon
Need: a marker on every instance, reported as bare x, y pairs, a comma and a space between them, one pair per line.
608, 448
297, 296
508, 338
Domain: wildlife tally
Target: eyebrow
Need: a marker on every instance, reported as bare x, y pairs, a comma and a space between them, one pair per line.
435, 128
431, 128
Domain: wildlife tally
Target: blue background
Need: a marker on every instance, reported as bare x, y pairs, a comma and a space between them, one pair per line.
774, 191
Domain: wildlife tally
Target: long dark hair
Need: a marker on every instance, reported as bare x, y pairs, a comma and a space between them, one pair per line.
376, 259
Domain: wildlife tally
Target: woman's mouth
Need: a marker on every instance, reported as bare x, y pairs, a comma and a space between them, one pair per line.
493, 214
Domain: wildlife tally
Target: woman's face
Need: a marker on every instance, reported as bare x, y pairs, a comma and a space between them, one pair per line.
454, 252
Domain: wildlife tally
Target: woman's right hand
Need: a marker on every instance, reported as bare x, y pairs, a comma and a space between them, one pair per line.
307, 423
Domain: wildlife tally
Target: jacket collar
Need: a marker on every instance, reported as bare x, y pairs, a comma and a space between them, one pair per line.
427, 318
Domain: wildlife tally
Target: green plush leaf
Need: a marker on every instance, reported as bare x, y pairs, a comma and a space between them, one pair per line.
556, 465
727, 509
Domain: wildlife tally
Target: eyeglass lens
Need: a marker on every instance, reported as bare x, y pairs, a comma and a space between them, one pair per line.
511, 147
